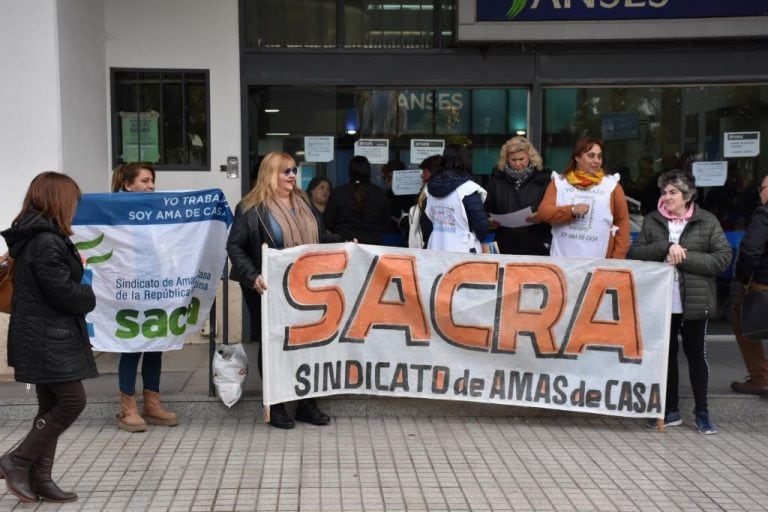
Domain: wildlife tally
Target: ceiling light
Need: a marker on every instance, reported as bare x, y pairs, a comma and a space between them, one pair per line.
271, 110
277, 134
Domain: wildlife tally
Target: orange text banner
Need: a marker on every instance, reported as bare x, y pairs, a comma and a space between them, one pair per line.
555, 333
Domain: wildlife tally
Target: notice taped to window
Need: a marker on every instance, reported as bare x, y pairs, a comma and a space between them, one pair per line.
741, 144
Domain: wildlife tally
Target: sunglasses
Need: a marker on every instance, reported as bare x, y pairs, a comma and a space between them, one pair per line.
291, 170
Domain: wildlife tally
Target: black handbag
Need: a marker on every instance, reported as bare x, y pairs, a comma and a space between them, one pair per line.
754, 315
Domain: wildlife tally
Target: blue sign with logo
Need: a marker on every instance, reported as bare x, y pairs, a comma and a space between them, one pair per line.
575, 10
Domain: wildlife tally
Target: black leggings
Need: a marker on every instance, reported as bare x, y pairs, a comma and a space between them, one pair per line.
64, 401
693, 333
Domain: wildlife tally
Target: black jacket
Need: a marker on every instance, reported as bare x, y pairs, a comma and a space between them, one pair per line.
503, 197
249, 231
752, 263
442, 184
341, 218
47, 337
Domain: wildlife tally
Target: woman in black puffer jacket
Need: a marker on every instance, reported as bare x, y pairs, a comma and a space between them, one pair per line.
682, 234
48, 342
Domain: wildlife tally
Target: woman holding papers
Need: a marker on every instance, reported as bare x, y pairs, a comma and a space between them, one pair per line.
586, 207
48, 343
682, 234
518, 183
139, 177
275, 212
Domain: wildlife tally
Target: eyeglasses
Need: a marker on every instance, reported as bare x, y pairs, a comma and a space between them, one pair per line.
291, 170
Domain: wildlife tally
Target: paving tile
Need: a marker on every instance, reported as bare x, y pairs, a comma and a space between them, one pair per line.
408, 463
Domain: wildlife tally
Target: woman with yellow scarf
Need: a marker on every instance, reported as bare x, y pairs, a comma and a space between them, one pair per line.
586, 207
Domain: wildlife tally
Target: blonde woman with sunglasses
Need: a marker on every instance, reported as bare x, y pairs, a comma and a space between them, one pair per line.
277, 213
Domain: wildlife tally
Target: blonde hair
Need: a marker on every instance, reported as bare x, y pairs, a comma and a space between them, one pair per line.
265, 187
519, 143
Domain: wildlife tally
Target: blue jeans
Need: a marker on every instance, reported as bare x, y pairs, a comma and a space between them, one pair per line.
150, 371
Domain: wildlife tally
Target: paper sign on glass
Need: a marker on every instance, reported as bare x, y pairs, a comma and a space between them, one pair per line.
741, 144
710, 174
318, 149
375, 150
406, 182
424, 148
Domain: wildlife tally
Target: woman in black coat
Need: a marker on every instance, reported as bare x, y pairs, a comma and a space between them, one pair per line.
48, 342
519, 181
275, 212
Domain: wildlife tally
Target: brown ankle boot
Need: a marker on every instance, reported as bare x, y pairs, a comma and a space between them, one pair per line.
154, 412
128, 418
751, 387
40, 478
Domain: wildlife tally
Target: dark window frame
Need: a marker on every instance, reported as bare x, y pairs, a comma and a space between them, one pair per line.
115, 116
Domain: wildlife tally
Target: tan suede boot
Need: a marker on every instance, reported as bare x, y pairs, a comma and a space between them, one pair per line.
154, 412
128, 418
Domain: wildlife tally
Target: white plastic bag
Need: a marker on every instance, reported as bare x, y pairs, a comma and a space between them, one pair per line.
230, 368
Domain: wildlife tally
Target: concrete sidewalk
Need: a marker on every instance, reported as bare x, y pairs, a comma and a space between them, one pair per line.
397, 455
407, 463
185, 388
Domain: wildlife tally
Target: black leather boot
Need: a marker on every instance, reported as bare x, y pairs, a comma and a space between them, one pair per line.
16, 465
308, 412
40, 478
279, 418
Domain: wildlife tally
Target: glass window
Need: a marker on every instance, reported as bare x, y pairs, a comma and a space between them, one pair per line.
290, 23
390, 23
366, 23
161, 117
482, 119
648, 130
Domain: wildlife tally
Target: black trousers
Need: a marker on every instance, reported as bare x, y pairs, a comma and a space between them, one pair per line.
64, 401
692, 333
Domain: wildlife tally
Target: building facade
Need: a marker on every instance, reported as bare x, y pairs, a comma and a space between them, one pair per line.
205, 89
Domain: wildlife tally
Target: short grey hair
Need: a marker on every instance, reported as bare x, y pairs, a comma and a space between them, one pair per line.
683, 181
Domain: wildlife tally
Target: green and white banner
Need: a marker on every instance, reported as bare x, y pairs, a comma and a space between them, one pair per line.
154, 261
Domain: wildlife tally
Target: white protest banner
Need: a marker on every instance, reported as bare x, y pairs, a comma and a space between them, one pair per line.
555, 333
154, 260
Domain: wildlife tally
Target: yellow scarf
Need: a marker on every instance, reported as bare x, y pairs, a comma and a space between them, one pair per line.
583, 179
